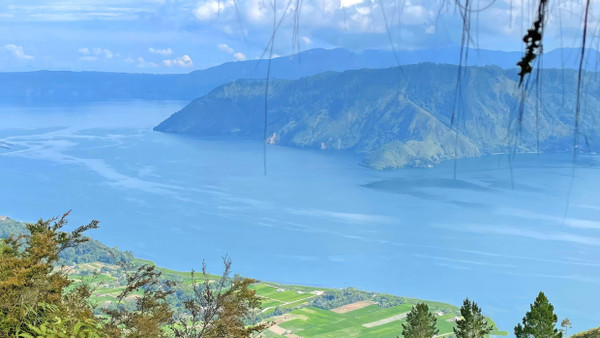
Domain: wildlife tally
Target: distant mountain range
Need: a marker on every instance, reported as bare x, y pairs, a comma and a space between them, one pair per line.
401, 116
60, 87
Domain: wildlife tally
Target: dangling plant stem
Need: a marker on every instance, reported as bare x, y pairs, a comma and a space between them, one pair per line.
533, 41
580, 79
267, 87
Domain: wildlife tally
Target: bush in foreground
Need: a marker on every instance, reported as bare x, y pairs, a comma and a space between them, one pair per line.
38, 300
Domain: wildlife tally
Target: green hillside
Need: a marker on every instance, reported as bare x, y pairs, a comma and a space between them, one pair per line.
592, 333
399, 116
301, 310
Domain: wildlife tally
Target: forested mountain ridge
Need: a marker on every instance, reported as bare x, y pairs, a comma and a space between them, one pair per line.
62, 87
90, 251
401, 116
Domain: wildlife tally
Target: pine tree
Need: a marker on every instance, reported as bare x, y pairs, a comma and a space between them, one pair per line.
420, 323
540, 321
473, 324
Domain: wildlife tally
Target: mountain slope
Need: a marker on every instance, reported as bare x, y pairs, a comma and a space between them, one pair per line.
592, 333
399, 116
60, 87
90, 251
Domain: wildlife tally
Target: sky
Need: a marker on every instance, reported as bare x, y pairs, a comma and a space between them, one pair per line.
179, 36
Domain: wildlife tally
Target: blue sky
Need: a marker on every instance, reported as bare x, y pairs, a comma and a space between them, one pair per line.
178, 36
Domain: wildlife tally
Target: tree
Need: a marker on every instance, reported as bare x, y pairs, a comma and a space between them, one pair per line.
38, 300
566, 324
151, 312
420, 323
32, 292
472, 324
220, 308
539, 321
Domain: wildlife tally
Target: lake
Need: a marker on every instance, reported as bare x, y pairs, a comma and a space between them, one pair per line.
317, 218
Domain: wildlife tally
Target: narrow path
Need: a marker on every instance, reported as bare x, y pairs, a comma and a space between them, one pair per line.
283, 303
386, 320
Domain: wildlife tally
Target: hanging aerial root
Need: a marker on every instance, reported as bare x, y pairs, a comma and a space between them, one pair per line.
533, 41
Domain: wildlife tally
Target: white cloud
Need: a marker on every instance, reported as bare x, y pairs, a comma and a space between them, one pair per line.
95, 53
164, 52
415, 15
363, 10
353, 24
240, 56
223, 47
18, 52
209, 9
68, 11
141, 63
352, 16
412, 23
182, 61
349, 3
104, 52
257, 11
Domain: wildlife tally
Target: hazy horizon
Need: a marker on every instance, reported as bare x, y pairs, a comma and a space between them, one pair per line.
179, 36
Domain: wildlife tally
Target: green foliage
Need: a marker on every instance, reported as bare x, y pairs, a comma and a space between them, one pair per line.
32, 292
593, 333
94, 251
539, 321
84, 252
336, 298
10, 227
277, 311
472, 324
58, 328
420, 323
37, 299
222, 309
151, 311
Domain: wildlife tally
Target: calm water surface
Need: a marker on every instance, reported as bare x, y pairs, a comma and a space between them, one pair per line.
318, 218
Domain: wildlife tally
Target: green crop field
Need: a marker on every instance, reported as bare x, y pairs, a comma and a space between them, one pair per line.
315, 322
281, 296
296, 302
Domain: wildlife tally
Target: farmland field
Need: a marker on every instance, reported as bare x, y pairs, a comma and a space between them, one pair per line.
302, 318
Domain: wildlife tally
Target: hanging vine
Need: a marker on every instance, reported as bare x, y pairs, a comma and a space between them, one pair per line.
533, 41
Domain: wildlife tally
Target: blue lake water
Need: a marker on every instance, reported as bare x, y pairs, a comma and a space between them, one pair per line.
318, 218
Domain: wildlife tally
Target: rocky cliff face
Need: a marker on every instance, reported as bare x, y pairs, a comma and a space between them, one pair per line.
401, 116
